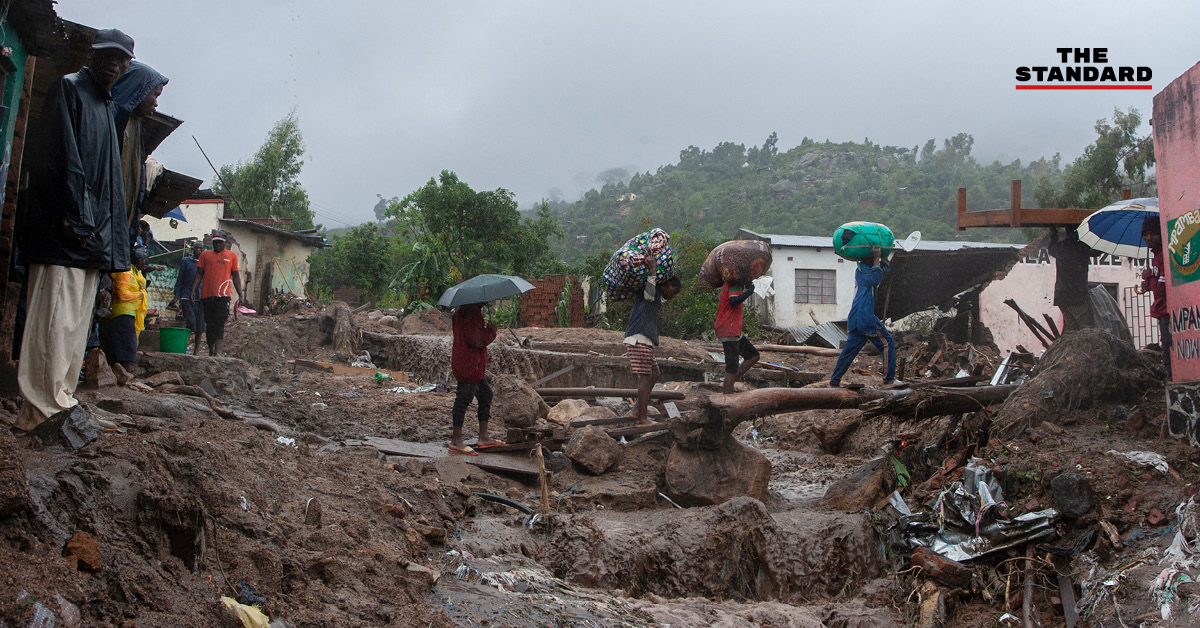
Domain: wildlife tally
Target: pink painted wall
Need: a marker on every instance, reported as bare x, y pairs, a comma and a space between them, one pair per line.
1031, 284
1176, 121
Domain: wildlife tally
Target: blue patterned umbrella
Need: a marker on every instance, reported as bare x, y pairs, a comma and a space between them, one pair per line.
1117, 229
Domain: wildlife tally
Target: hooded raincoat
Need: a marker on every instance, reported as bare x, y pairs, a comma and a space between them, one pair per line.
129, 92
76, 177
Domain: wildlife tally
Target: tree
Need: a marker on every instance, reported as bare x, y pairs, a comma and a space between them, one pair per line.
457, 233
1117, 160
362, 258
268, 184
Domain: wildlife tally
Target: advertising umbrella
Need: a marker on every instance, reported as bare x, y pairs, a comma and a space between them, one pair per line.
1117, 229
484, 288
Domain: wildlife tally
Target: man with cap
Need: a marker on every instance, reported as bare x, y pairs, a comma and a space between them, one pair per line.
72, 226
216, 273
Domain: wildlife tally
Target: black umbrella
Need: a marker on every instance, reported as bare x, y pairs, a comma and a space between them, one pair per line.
484, 288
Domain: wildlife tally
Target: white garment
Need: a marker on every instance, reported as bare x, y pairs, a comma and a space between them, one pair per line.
60, 304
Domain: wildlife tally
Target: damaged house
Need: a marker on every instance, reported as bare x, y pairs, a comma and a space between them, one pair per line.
814, 286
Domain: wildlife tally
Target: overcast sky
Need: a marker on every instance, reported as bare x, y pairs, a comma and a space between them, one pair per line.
532, 96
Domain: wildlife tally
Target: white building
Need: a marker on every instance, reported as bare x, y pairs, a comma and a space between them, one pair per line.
813, 285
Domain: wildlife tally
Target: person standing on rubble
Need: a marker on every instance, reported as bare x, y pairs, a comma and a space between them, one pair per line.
72, 227
186, 297
1071, 259
862, 324
729, 333
468, 363
641, 334
119, 334
135, 97
216, 273
1154, 281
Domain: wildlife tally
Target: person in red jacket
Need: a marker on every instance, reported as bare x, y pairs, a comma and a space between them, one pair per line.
468, 363
729, 334
1154, 281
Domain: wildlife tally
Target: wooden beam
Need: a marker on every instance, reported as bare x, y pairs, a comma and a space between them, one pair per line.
1016, 203
581, 393
555, 374
962, 207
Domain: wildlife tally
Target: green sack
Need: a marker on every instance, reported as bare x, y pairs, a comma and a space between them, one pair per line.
854, 240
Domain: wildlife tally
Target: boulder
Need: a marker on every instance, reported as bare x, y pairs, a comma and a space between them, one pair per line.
616, 404
1073, 495
593, 449
865, 487
703, 477
425, 322
231, 373
374, 315
390, 321
516, 403
71, 427
566, 411
96, 372
165, 377
592, 413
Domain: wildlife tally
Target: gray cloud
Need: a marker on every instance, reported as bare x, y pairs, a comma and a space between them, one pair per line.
529, 95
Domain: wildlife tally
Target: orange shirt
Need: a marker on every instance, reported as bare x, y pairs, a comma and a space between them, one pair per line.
218, 273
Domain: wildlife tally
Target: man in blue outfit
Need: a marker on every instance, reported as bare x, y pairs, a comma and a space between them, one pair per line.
863, 325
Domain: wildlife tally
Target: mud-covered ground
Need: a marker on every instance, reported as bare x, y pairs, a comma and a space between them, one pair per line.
185, 505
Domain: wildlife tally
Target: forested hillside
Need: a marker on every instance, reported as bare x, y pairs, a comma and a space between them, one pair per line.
807, 190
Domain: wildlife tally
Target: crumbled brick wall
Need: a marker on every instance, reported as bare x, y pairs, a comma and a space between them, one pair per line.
538, 305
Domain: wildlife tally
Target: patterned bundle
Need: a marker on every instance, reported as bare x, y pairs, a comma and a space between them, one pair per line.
625, 274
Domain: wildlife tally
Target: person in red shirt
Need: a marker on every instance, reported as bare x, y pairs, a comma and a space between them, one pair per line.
729, 333
216, 274
468, 363
1154, 281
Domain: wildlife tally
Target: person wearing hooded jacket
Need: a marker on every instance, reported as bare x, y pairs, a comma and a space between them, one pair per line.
72, 227
135, 97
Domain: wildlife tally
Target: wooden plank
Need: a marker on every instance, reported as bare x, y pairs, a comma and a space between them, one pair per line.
580, 393
342, 369
637, 429
554, 375
552, 444
485, 461
609, 421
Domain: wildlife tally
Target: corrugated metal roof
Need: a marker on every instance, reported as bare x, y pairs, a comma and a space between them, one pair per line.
830, 335
826, 242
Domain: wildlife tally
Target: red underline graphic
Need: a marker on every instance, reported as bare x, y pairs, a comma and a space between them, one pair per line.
1085, 87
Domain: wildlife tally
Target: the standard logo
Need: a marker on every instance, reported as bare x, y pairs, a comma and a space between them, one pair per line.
1083, 68
1183, 247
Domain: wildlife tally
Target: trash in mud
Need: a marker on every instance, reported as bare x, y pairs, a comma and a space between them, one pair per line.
250, 616
285, 441
1145, 458
418, 389
964, 524
363, 360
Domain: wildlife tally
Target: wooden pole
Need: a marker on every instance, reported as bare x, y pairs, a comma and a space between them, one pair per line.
582, 393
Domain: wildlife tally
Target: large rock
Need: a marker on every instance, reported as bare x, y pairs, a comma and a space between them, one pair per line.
865, 487
516, 403
70, 427
593, 449
230, 373
703, 477
566, 411
431, 321
96, 372
1073, 495
592, 413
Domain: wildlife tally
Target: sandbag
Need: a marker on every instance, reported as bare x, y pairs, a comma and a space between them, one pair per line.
625, 275
854, 240
737, 262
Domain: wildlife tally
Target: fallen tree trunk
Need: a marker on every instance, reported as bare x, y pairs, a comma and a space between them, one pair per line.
822, 351
722, 413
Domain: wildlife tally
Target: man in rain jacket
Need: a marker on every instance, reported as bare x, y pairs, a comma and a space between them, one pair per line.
862, 324
135, 96
73, 227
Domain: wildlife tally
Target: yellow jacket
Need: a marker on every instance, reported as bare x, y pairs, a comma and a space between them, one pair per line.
130, 296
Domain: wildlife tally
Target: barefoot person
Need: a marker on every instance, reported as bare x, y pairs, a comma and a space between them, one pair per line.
863, 325
468, 363
641, 335
729, 334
